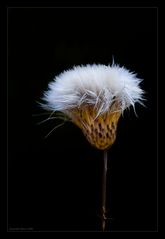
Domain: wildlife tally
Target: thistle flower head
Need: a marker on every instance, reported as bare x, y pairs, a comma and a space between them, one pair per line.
94, 97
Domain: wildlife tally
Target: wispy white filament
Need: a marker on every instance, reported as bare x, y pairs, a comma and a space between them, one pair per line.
97, 85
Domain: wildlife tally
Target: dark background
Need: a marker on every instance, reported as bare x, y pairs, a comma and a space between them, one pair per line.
55, 183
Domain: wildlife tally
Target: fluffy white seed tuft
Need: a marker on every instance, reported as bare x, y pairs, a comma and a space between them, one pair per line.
97, 85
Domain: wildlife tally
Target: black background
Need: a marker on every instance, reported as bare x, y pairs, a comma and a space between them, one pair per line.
54, 184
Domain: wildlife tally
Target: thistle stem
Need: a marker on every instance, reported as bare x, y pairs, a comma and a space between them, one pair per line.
104, 182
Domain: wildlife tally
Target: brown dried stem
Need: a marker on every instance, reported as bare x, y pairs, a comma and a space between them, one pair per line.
104, 185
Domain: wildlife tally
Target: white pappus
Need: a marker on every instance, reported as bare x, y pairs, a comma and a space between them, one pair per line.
96, 85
